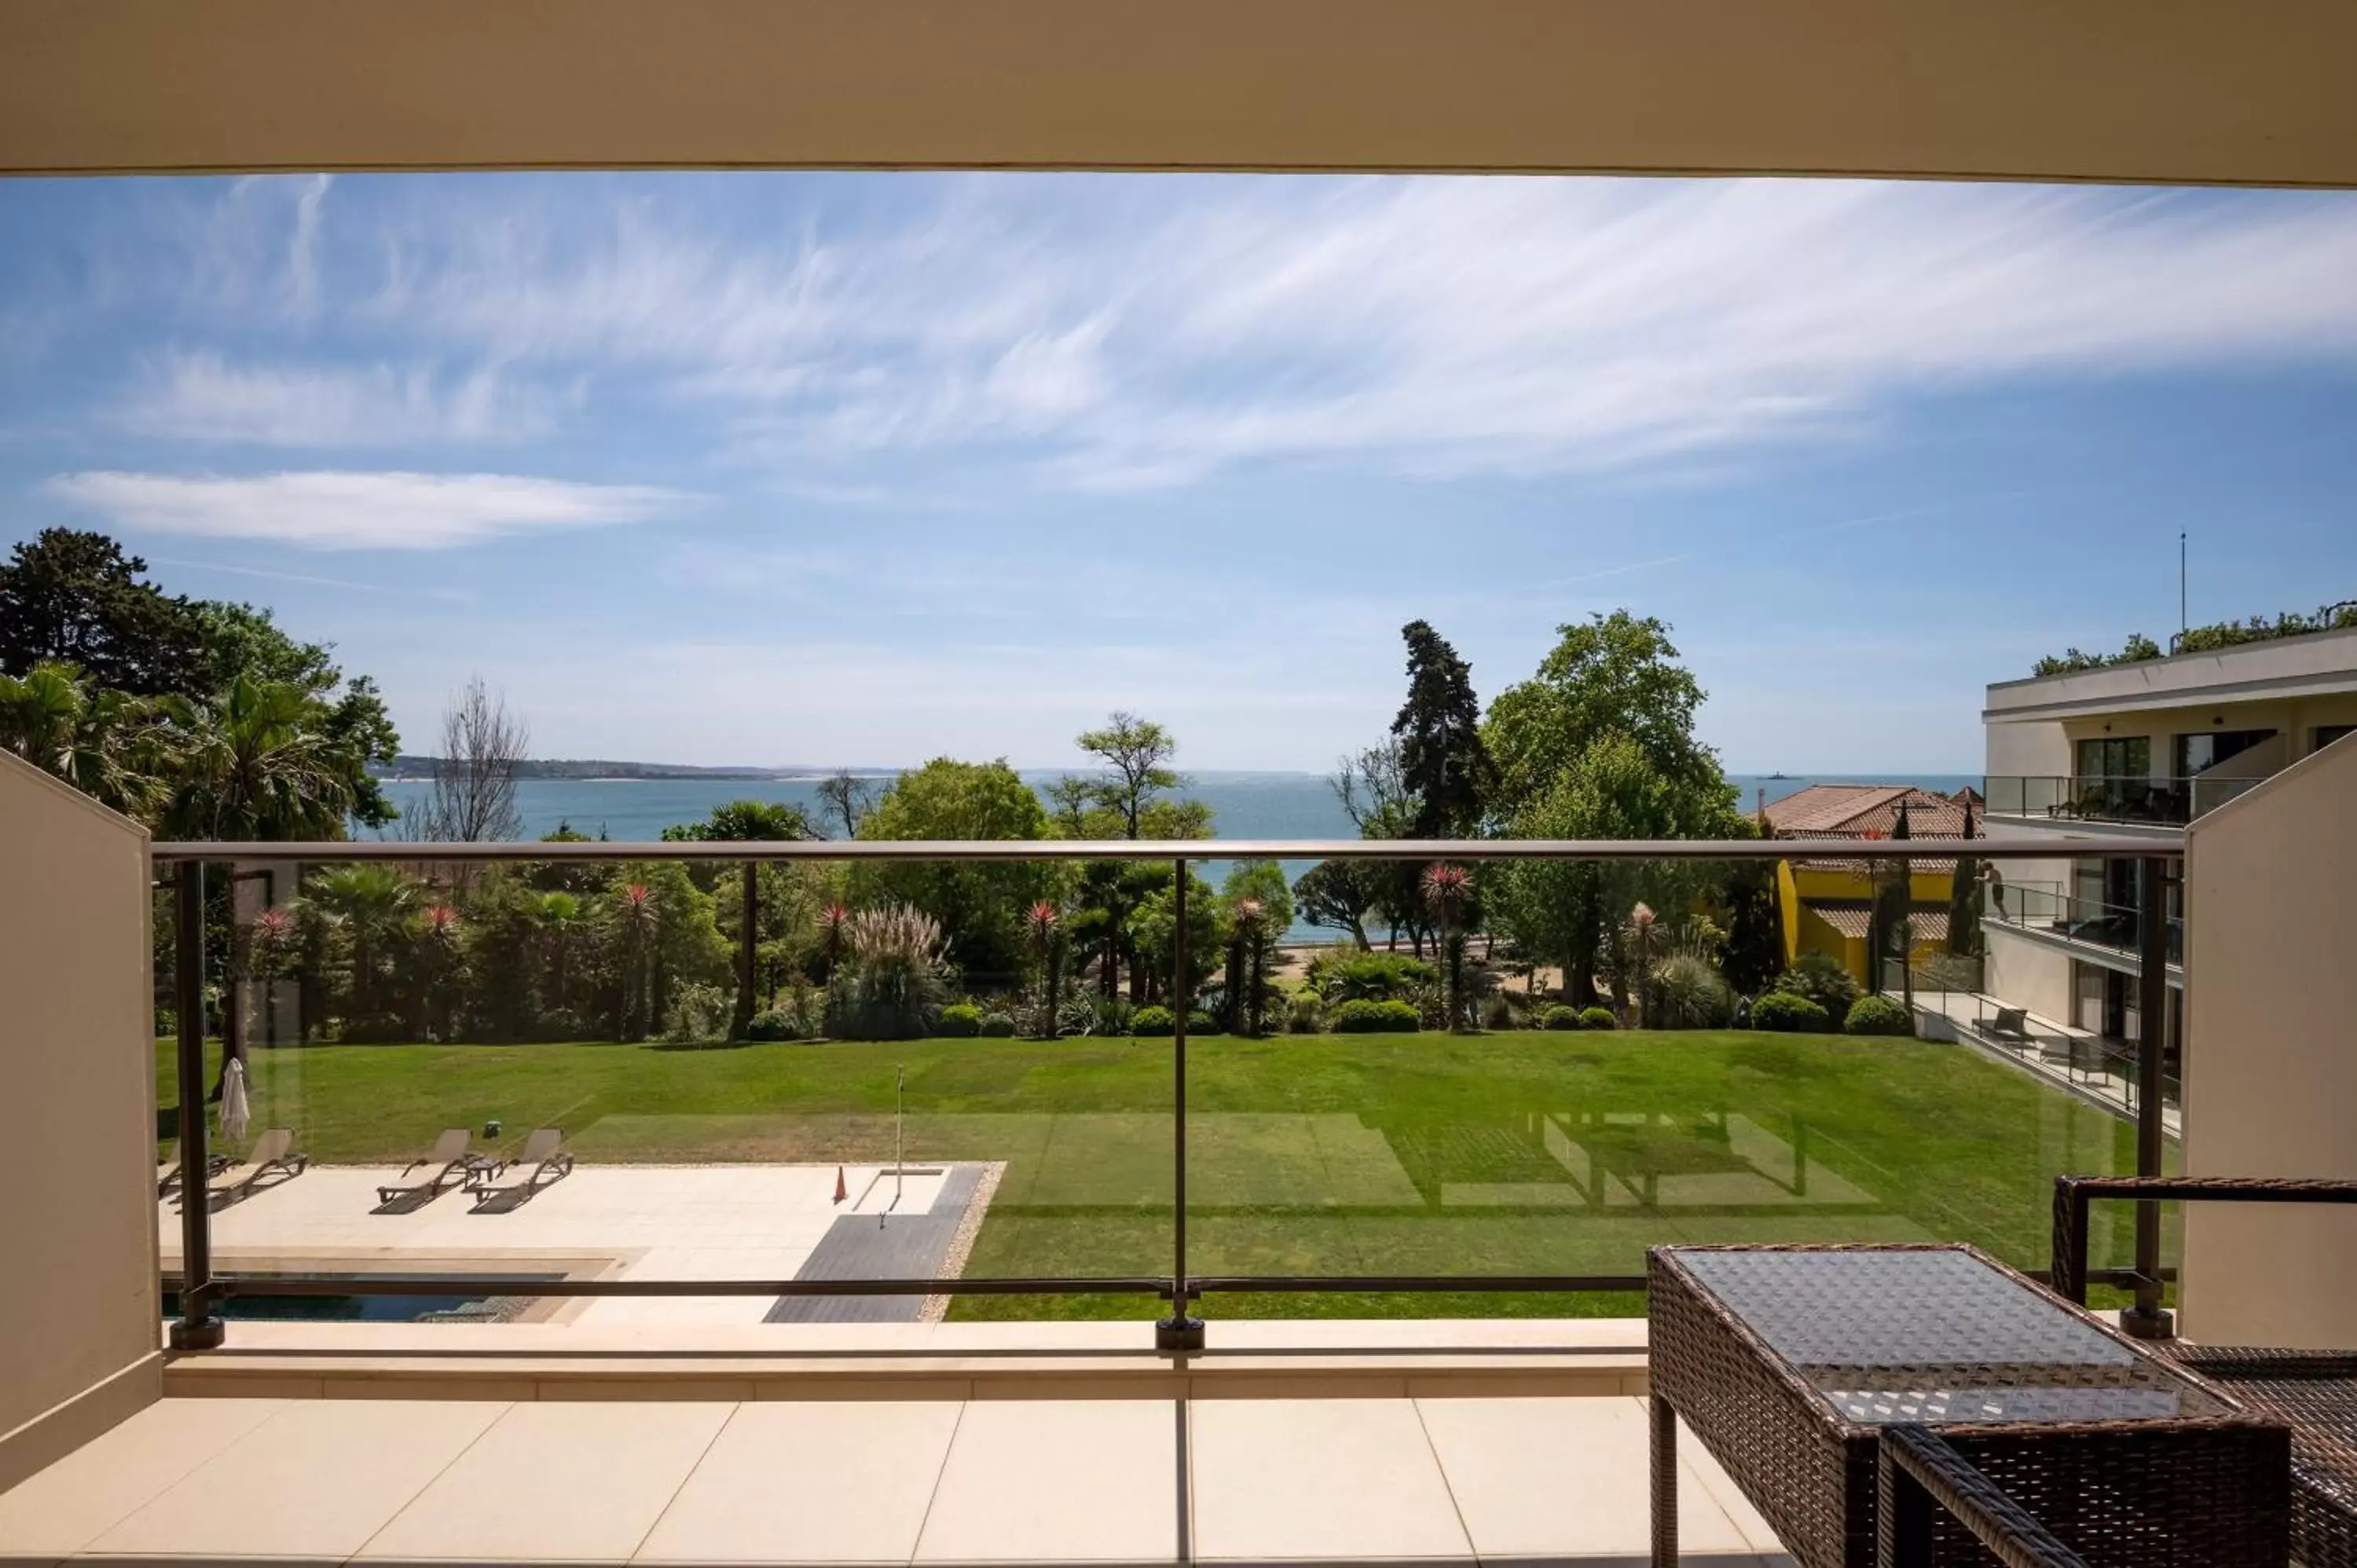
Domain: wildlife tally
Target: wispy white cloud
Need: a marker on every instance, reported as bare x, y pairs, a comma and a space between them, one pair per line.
334, 509
205, 397
303, 248
1155, 333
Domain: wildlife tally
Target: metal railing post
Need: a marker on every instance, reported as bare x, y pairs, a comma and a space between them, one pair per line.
197, 1328
740, 1019
2147, 1319
1182, 1330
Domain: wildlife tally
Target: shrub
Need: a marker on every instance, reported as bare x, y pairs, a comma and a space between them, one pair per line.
1372, 977
961, 1019
999, 1025
1560, 1019
1086, 1014
772, 1025
1496, 1014
1201, 1023
1598, 1019
1303, 1017
1791, 1012
1365, 1016
1820, 978
1877, 1016
698, 1014
1687, 994
1150, 1022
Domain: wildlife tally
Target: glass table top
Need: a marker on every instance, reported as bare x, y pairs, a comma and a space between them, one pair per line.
1936, 1336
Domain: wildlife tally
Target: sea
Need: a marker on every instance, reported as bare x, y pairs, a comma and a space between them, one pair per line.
1244, 805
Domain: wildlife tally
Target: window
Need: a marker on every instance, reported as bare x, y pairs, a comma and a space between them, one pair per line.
2126, 756
2327, 734
2200, 753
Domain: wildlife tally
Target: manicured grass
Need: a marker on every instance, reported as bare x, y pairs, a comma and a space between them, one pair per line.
1509, 1153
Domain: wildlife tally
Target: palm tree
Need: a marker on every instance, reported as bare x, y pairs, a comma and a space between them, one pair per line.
437, 962
374, 901
634, 924
109, 745
561, 920
256, 762
1642, 927
1044, 925
1252, 974
1447, 894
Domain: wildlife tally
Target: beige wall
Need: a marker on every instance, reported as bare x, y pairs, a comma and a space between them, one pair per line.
2037, 749
2025, 973
78, 1308
2271, 1068
2161, 90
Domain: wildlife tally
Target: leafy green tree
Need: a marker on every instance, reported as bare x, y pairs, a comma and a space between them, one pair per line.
1137, 754
1442, 761
1337, 895
1155, 931
75, 597
981, 905
1571, 907
1617, 675
1374, 792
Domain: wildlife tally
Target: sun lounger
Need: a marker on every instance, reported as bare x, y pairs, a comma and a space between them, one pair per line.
447, 1159
167, 1175
542, 1152
273, 1152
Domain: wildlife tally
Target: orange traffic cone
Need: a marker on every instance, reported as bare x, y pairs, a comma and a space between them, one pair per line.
842, 1191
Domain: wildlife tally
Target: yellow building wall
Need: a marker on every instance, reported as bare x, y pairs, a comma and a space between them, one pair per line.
1806, 931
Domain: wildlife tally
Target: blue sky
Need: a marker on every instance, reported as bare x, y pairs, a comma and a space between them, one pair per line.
872, 467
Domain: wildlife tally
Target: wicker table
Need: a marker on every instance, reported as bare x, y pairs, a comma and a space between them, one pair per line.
1788, 1362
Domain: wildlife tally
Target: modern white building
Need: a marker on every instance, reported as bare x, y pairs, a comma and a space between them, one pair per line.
2129, 755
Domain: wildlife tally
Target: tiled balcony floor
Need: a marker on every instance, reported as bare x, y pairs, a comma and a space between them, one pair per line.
861, 1481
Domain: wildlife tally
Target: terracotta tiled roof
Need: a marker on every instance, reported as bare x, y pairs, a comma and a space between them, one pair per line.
1851, 920
1854, 810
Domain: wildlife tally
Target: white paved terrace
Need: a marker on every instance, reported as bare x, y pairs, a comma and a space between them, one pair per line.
667, 1480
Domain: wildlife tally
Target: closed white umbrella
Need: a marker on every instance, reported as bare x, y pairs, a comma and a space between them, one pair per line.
234, 1108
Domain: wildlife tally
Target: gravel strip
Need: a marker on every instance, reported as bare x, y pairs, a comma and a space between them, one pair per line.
960, 1248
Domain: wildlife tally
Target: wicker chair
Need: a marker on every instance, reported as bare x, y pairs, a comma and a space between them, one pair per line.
2312, 1391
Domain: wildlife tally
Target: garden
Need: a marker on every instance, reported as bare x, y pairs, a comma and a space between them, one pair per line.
1508, 1152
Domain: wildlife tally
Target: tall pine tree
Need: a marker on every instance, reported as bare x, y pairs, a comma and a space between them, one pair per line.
1442, 761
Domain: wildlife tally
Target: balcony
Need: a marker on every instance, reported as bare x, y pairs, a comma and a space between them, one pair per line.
874, 1297
2107, 932
2160, 802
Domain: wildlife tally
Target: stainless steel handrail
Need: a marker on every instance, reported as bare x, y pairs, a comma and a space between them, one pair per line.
323, 852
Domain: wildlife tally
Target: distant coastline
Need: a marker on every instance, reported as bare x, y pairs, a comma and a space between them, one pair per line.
408, 770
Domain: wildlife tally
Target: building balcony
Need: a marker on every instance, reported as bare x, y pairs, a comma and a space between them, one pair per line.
2108, 934
2077, 799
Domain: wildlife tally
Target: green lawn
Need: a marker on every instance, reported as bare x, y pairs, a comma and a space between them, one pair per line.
1510, 1152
